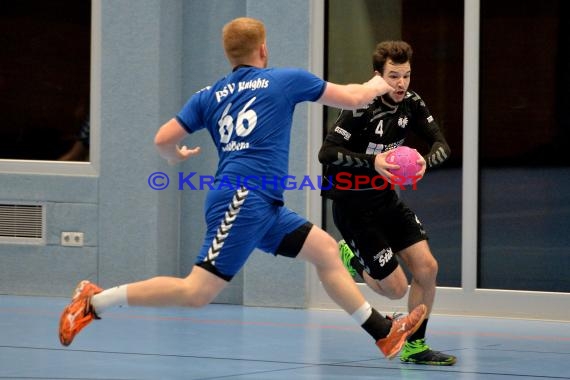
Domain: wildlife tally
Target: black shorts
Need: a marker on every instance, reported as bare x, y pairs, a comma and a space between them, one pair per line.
376, 230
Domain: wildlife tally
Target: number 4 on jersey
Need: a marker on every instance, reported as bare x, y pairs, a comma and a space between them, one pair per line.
380, 128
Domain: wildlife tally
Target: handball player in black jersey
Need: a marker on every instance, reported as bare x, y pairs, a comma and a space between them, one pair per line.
376, 226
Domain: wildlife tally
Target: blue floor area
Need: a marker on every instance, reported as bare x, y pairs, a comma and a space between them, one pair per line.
237, 342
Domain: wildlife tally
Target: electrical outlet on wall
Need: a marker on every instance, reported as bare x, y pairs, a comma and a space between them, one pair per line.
72, 239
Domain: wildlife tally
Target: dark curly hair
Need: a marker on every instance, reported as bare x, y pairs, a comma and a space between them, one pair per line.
397, 51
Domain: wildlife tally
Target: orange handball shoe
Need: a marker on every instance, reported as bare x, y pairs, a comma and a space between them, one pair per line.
78, 313
401, 329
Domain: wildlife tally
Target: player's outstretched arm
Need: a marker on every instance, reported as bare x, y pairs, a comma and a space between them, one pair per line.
167, 142
354, 96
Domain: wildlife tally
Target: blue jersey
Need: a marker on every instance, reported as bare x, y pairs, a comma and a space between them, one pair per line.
249, 115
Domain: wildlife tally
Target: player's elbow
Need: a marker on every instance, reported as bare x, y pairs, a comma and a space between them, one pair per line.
169, 134
322, 156
162, 138
348, 97
158, 140
356, 100
326, 154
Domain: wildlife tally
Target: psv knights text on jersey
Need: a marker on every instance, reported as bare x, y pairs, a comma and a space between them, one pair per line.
249, 117
357, 136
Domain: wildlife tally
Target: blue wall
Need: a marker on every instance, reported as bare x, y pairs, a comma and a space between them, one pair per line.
154, 55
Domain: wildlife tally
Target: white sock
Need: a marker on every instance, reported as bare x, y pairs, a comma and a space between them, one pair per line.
116, 296
362, 314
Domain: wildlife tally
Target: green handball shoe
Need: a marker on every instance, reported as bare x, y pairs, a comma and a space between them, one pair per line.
418, 352
346, 255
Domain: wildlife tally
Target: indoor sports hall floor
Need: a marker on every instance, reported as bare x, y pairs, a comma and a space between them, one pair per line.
237, 342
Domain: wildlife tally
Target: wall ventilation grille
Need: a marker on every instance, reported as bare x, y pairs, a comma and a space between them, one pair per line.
22, 223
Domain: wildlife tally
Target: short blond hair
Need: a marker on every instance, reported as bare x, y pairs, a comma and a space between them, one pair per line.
241, 37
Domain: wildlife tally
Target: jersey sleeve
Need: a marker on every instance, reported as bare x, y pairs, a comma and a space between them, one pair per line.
190, 116
335, 150
428, 130
300, 85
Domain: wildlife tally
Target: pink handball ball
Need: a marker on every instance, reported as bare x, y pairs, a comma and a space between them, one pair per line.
406, 158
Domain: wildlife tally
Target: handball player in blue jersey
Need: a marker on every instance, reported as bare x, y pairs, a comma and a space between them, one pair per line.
248, 113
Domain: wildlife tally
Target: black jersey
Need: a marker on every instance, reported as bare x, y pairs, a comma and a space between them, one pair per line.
357, 136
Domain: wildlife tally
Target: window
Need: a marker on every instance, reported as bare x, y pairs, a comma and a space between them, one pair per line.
434, 29
44, 78
524, 162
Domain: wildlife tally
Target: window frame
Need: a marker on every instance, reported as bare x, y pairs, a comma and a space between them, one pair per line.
467, 299
74, 168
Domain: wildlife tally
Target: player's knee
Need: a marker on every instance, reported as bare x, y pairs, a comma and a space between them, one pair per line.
196, 296
393, 290
330, 246
398, 292
432, 267
196, 300
427, 272
327, 254
401, 291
